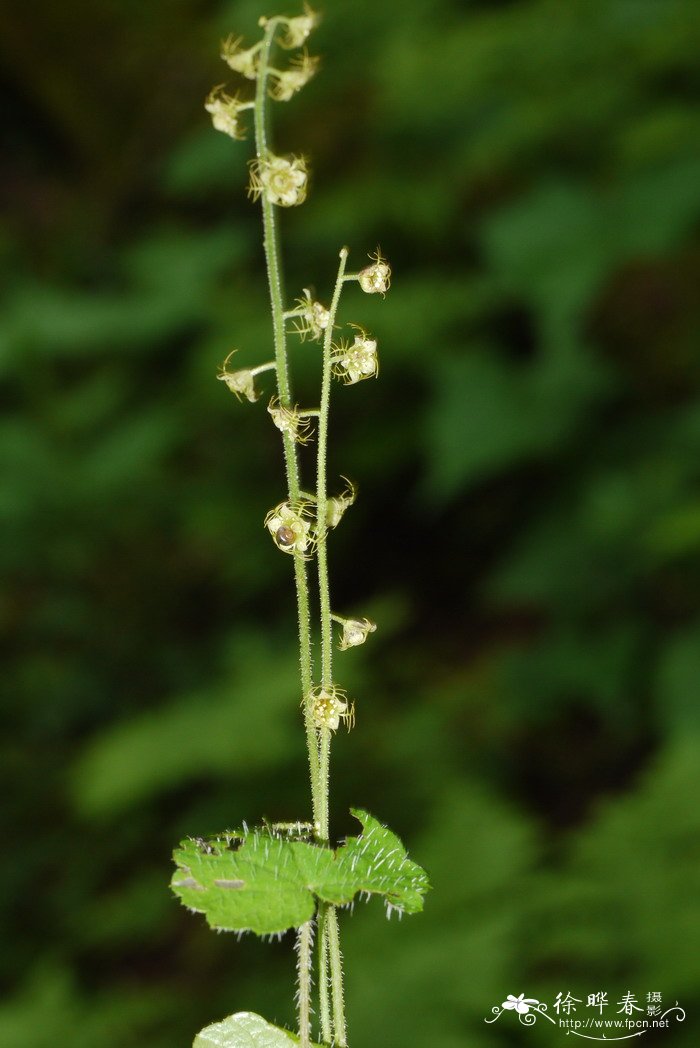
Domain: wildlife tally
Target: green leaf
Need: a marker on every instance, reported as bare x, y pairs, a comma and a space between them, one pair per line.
266, 881
245, 1030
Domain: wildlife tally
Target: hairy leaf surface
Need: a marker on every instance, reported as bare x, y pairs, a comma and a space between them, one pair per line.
266, 881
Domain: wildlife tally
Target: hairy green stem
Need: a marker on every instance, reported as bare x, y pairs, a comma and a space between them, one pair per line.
304, 950
328, 916
323, 977
322, 486
336, 978
274, 274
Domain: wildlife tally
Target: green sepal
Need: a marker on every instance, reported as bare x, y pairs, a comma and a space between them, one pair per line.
265, 881
245, 1030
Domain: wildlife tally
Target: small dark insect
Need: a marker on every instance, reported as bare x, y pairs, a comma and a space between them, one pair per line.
285, 536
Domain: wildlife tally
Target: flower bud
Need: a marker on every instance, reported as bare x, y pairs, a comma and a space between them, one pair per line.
280, 180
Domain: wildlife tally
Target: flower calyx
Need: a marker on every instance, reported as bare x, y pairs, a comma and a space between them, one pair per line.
354, 631
292, 421
354, 362
281, 180
329, 706
375, 279
291, 526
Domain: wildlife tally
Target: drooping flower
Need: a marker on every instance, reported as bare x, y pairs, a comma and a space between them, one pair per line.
242, 381
355, 632
282, 181
241, 60
376, 279
299, 28
224, 111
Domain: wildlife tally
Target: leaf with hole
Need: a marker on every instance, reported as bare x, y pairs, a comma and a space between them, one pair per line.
266, 880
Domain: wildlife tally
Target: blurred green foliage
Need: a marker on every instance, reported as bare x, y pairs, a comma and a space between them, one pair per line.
527, 536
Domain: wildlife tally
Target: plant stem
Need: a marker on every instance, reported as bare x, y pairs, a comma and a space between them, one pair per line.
323, 980
322, 484
336, 978
328, 916
272, 259
304, 949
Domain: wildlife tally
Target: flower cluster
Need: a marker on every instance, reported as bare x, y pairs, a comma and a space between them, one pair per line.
352, 363
329, 707
280, 179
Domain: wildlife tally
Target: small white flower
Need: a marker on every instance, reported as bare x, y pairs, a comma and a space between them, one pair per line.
328, 708
290, 528
377, 277
520, 1004
355, 632
286, 83
313, 317
336, 506
224, 111
299, 28
289, 420
282, 181
241, 60
358, 361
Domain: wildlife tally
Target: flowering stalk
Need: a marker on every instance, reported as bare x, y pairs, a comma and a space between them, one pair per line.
299, 525
272, 259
